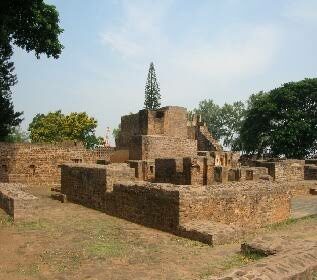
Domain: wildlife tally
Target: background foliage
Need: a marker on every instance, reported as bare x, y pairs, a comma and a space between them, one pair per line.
57, 127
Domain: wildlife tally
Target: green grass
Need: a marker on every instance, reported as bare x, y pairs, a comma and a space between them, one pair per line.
32, 225
290, 221
5, 220
106, 249
234, 261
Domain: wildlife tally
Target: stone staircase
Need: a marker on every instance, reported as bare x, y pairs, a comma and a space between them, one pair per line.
205, 140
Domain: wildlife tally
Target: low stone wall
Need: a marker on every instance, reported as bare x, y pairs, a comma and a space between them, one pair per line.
167, 207
153, 205
38, 164
247, 204
86, 184
283, 170
16, 202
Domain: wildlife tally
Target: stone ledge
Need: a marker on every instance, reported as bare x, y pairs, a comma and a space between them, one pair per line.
16, 202
211, 233
288, 259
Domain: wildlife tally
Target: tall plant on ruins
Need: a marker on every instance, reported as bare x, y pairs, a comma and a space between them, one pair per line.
152, 90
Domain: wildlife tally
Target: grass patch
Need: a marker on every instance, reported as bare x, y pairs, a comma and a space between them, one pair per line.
234, 261
290, 221
106, 249
32, 225
5, 220
29, 270
62, 260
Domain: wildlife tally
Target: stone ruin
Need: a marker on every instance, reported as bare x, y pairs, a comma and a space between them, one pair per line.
176, 177
171, 174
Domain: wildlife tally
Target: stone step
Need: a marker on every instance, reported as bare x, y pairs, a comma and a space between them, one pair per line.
211, 233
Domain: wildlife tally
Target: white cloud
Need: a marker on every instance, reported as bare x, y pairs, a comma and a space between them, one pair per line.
250, 53
200, 63
139, 29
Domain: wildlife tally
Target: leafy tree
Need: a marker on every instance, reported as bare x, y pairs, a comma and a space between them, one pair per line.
116, 132
283, 120
17, 136
223, 122
152, 90
8, 118
57, 127
31, 25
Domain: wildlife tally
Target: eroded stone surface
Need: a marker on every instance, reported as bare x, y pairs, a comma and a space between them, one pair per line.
287, 259
16, 201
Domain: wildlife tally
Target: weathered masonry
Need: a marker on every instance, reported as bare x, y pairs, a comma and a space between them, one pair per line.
39, 164
212, 214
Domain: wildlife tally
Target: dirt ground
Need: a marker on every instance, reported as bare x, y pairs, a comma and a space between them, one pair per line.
69, 241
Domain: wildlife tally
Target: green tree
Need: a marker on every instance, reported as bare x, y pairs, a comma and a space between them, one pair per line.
8, 118
223, 122
152, 91
283, 120
56, 127
33, 26
17, 135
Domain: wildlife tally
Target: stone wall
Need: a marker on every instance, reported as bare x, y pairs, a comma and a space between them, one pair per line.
87, 184
38, 164
283, 170
248, 204
16, 201
310, 172
144, 147
153, 205
166, 206
197, 170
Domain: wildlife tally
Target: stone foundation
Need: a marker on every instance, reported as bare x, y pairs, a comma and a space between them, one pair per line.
174, 208
16, 202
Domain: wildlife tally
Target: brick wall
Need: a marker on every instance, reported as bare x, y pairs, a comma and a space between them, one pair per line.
38, 164
87, 184
244, 204
145, 147
153, 205
16, 201
284, 170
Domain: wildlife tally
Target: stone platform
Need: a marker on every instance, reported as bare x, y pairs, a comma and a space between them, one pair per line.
16, 201
285, 259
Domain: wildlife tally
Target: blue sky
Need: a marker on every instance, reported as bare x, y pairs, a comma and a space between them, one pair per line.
224, 50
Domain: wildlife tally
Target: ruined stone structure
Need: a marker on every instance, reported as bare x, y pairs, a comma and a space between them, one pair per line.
177, 178
16, 201
39, 164
166, 146
195, 211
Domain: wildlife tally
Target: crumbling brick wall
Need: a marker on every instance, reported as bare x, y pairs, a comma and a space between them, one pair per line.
87, 184
16, 201
38, 164
165, 206
243, 204
153, 205
283, 170
144, 147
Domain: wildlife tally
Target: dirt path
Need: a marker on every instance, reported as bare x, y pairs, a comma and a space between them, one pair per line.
69, 241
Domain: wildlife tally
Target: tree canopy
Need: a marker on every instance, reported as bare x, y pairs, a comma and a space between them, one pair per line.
33, 26
152, 90
56, 127
283, 120
223, 122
